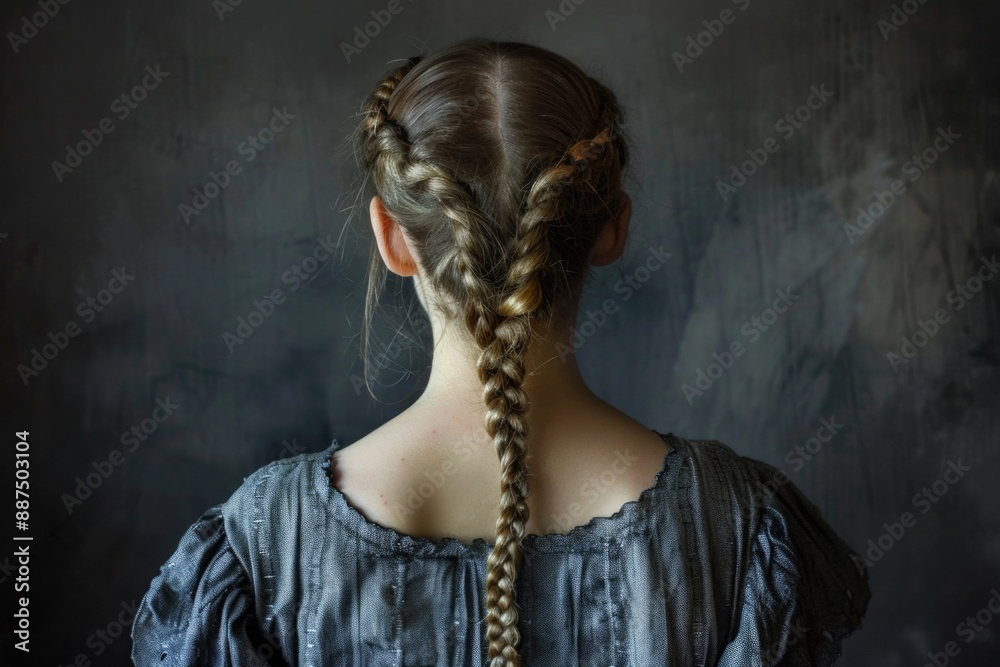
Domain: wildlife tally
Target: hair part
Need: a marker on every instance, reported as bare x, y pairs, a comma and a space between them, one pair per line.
502, 162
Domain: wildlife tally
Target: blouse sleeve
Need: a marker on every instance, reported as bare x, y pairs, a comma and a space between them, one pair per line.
804, 590
199, 611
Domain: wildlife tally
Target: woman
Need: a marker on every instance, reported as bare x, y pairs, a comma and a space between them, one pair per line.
496, 172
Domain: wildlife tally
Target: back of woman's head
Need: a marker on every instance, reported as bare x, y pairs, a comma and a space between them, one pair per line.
502, 163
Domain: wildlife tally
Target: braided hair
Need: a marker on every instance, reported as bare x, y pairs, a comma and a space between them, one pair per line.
502, 162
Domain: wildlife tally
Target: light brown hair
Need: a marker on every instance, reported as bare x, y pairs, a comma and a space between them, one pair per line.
502, 162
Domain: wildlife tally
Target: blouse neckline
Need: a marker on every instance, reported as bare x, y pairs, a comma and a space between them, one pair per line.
592, 533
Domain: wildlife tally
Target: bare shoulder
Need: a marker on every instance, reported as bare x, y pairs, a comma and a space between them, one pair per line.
427, 481
596, 470
370, 472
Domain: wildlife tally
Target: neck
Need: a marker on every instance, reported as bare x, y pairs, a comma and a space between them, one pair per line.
553, 383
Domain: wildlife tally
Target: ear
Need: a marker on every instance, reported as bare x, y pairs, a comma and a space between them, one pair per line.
611, 241
393, 244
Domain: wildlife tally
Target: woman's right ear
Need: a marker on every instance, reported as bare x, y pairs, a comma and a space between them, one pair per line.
393, 244
611, 241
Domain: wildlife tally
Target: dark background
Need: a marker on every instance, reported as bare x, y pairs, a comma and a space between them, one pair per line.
292, 386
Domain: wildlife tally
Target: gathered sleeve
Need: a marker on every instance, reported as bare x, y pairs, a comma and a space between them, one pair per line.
804, 589
199, 611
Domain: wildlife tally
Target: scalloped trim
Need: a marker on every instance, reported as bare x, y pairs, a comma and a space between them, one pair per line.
583, 535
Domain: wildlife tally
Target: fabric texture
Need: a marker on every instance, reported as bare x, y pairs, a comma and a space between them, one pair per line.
720, 562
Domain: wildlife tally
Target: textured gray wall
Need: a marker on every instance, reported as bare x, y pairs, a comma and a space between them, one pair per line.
292, 386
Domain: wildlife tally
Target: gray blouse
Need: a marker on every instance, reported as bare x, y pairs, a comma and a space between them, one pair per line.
722, 561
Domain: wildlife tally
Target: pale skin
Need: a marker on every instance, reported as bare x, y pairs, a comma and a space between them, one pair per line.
573, 435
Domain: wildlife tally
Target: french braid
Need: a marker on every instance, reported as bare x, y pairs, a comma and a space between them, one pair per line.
501, 368
500, 272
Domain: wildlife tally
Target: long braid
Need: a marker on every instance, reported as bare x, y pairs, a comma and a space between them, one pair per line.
501, 288
501, 368
501, 364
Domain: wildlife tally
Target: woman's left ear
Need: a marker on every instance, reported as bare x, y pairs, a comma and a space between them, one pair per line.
611, 241
392, 242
